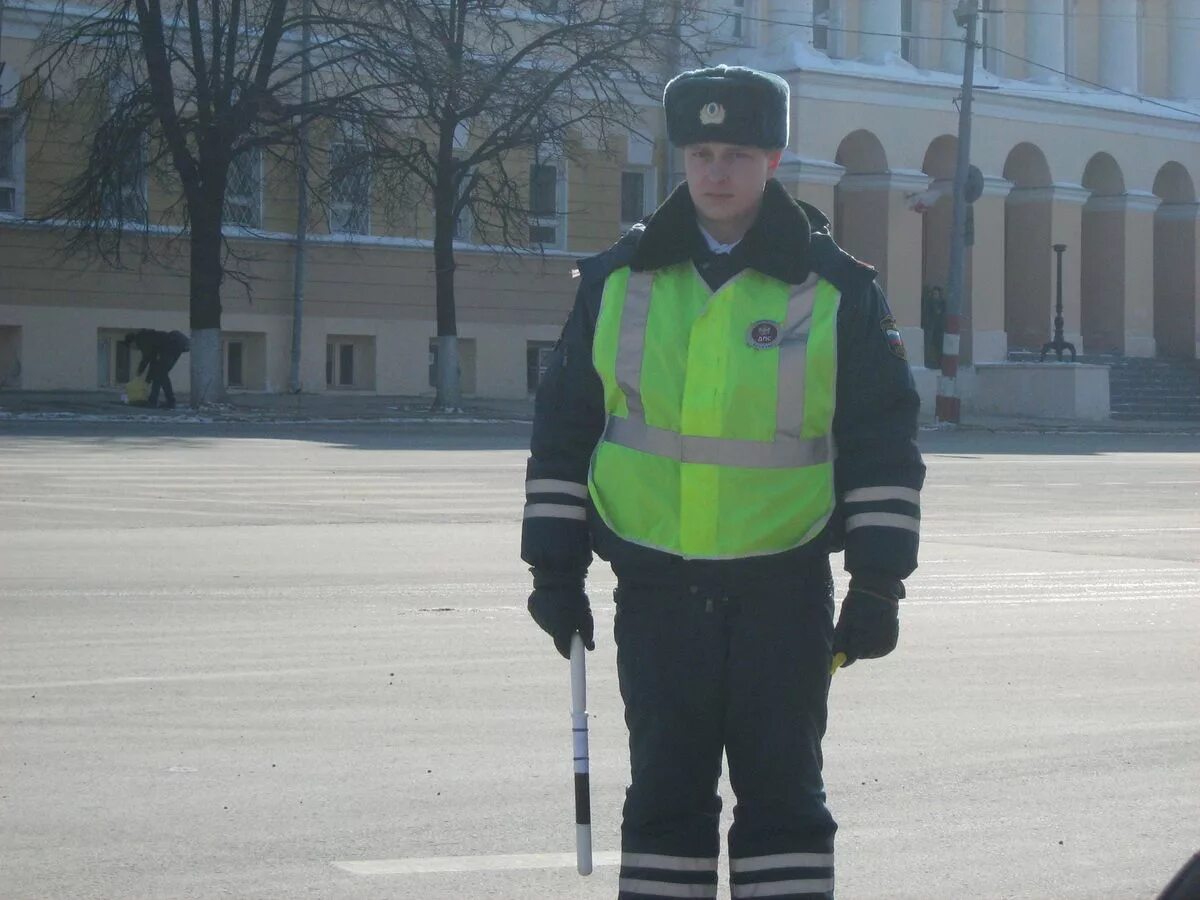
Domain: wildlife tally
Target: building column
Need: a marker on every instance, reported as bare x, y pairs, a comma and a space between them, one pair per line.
882, 17
1183, 29
1119, 44
989, 341
1045, 41
1176, 278
1139, 273
1066, 227
901, 272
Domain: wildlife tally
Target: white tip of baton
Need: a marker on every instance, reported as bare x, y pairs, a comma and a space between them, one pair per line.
583, 849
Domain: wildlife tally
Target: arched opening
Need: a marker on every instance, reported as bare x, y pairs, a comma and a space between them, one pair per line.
1176, 318
1028, 276
860, 199
1102, 258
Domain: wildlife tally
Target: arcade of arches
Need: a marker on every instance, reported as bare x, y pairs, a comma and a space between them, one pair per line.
1130, 268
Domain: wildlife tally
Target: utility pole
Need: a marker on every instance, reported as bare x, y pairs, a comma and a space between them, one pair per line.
301, 256
947, 408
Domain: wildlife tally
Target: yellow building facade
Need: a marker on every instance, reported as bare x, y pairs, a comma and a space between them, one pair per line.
1108, 168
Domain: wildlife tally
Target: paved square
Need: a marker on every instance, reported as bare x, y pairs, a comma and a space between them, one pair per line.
282, 662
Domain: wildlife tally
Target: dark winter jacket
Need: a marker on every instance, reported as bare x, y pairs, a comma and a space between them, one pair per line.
166, 346
874, 422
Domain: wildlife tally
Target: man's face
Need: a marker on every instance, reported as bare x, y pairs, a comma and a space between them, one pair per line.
726, 181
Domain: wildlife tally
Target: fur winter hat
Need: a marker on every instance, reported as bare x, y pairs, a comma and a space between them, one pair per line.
729, 104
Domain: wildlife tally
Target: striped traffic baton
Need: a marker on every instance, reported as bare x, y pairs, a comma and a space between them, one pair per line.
579, 743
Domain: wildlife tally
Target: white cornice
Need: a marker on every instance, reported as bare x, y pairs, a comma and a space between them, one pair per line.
1076, 194
1179, 212
909, 180
855, 82
995, 186
1055, 193
1134, 201
904, 180
810, 171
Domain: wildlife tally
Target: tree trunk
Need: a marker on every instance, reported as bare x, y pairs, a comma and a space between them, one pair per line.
208, 385
449, 383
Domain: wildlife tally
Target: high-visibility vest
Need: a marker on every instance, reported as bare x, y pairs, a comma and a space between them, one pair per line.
719, 438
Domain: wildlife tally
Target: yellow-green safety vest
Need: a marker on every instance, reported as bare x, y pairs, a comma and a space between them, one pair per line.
719, 438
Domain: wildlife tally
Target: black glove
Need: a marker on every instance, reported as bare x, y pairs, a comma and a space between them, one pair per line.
560, 607
869, 624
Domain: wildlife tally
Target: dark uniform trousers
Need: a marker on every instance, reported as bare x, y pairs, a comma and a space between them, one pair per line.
703, 669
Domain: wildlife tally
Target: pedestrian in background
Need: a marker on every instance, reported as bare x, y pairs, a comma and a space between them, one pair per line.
729, 403
160, 350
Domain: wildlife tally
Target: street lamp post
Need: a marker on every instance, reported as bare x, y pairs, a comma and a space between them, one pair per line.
1058, 345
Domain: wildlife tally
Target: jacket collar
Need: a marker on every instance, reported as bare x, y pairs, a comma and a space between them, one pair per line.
777, 244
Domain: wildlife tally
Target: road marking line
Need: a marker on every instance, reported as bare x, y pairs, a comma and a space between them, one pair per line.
471, 863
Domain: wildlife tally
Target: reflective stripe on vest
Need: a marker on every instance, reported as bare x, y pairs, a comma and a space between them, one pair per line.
719, 438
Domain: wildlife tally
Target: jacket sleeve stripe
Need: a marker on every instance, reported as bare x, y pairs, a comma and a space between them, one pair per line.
555, 511
884, 520
555, 486
873, 494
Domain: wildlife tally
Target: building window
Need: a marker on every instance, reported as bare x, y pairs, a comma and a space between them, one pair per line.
633, 196
729, 20
543, 7
635, 186
466, 364
907, 45
115, 360
537, 360
349, 188
8, 165
125, 198
234, 376
243, 190
547, 189
820, 22
10, 356
463, 222
827, 23
244, 355
350, 362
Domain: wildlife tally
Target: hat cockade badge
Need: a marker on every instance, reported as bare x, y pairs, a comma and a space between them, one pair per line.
712, 114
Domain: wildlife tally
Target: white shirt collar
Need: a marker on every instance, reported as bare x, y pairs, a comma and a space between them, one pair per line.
714, 245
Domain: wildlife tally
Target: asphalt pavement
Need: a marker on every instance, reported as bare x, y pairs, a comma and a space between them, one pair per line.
271, 659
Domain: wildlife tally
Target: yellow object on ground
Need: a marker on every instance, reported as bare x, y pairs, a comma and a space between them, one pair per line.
137, 390
839, 659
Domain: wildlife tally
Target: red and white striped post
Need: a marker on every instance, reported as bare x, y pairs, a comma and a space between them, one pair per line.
947, 407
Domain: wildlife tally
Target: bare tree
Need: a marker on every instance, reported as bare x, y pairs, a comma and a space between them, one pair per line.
472, 91
182, 91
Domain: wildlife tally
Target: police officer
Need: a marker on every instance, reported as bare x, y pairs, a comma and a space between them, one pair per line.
729, 403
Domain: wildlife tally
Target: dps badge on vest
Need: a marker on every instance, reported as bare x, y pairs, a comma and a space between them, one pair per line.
892, 333
763, 335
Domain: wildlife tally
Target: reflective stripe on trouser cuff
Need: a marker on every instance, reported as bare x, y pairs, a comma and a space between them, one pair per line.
884, 520
555, 511
889, 492
797, 887
669, 863
782, 453
554, 486
781, 861
665, 888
